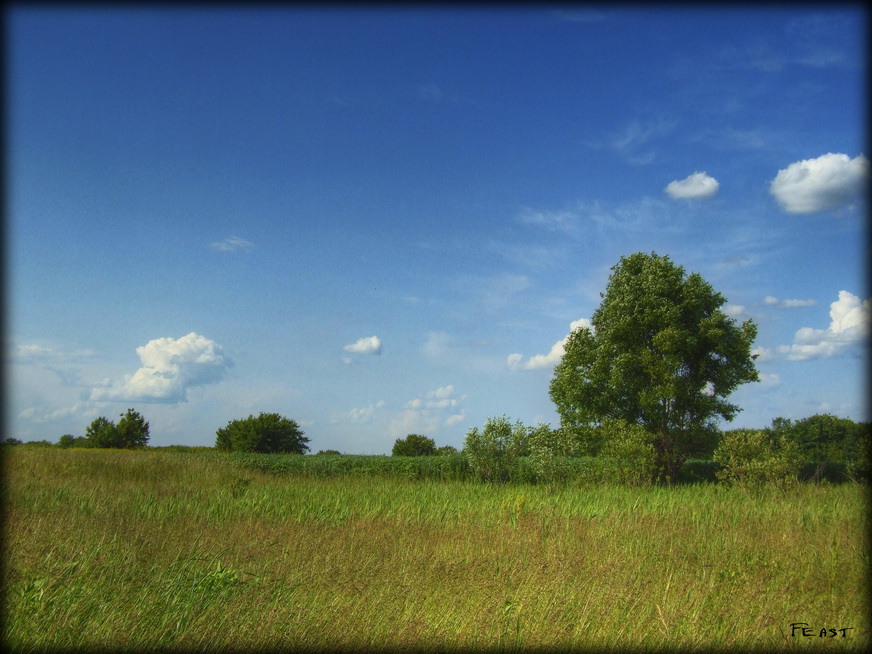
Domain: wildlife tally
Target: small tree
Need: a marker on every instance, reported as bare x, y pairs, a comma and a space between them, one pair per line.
446, 450
492, 451
103, 433
750, 458
132, 430
543, 443
414, 445
267, 433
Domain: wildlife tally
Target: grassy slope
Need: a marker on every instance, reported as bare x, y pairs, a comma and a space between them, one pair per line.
137, 550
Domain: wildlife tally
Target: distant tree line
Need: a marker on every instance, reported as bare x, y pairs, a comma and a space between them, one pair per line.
131, 432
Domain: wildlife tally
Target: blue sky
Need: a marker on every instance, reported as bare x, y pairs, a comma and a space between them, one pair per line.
384, 221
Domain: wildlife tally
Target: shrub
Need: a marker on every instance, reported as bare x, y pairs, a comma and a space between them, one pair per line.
750, 458
68, 440
267, 433
548, 451
493, 450
630, 450
414, 445
131, 432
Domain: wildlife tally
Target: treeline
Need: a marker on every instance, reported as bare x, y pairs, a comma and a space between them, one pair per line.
820, 447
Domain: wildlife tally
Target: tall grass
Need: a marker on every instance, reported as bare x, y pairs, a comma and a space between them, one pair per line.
149, 550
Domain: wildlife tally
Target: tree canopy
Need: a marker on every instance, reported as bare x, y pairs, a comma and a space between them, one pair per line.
659, 354
130, 432
266, 433
414, 445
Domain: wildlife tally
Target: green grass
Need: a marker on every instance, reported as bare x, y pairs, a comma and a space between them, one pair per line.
157, 550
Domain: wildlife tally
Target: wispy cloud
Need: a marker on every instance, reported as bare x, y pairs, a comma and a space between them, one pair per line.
635, 141
426, 415
233, 244
358, 416
169, 368
787, 304
493, 292
827, 182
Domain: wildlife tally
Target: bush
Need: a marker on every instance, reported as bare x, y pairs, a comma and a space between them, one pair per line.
750, 458
549, 449
102, 433
42, 443
131, 432
68, 440
630, 449
267, 433
695, 471
414, 445
492, 451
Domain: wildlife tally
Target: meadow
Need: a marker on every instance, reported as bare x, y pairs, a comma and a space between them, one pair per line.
157, 550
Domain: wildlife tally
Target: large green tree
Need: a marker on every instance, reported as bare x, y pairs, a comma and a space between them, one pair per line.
268, 433
660, 354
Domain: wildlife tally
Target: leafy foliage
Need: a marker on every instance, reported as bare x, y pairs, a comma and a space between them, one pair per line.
132, 429
102, 433
414, 445
660, 354
266, 433
130, 432
68, 440
549, 450
751, 458
630, 448
823, 437
493, 450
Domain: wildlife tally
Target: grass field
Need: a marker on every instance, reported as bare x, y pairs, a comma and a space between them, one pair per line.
147, 550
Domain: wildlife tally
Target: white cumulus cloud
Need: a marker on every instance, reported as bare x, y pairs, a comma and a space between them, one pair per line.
555, 354
698, 186
828, 182
849, 327
370, 345
169, 368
